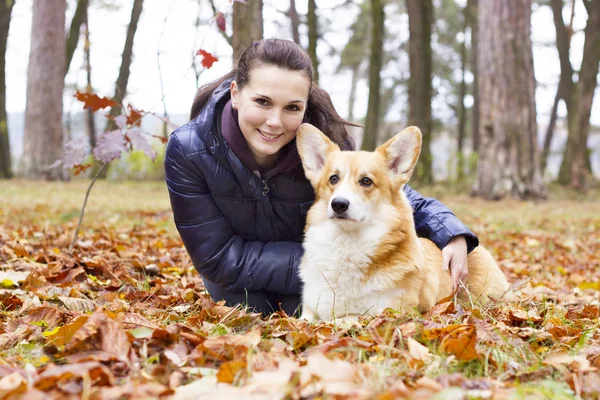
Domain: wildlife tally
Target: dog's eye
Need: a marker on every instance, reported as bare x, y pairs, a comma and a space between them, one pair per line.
365, 182
333, 179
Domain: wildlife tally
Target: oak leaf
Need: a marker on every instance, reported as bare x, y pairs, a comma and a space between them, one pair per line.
207, 59
94, 102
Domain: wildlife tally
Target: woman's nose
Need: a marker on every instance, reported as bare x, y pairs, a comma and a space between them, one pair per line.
274, 118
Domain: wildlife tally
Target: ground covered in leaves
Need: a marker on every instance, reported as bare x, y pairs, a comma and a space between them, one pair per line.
123, 313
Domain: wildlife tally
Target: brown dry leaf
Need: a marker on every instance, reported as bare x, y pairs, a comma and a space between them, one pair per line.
583, 311
417, 353
77, 304
590, 385
98, 374
578, 363
12, 384
226, 348
65, 333
517, 317
10, 339
461, 341
440, 309
300, 339
343, 342
100, 332
488, 333
231, 371
134, 320
335, 377
248, 340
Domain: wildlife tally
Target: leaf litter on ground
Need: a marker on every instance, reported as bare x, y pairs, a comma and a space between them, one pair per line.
125, 315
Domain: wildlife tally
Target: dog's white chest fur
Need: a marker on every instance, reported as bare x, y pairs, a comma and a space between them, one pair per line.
333, 271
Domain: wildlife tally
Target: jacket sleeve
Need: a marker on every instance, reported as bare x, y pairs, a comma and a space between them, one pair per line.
217, 252
436, 222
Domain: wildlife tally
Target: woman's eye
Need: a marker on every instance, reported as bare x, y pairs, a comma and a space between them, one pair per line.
366, 182
333, 179
262, 102
293, 108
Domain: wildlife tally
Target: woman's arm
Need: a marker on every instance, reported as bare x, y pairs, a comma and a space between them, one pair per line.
436, 222
217, 252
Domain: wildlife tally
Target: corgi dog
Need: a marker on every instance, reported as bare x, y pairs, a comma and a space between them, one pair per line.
361, 251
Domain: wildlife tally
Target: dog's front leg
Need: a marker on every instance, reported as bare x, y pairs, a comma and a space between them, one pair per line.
307, 313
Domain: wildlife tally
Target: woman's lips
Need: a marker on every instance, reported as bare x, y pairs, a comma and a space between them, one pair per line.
268, 136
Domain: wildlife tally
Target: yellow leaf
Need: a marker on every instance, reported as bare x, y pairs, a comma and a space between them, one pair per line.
7, 283
56, 250
51, 332
589, 285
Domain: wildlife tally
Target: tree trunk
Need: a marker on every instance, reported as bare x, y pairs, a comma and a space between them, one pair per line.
550, 130
123, 78
313, 36
462, 110
43, 136
295, 20
74, 31
247, 25
472, 6
565, 86
91, 125
375, 62
574, 169
508, 156
5, 159
353, 86
420, 91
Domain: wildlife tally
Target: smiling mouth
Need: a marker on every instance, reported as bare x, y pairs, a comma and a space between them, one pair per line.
268, 136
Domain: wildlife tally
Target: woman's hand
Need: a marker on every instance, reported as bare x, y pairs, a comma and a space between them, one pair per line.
454, 256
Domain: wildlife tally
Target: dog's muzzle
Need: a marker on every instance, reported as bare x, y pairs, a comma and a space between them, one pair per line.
339, 205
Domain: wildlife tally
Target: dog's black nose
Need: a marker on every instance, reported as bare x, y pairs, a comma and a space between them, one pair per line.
340, 205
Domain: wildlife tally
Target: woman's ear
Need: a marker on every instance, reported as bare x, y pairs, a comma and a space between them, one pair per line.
235, 93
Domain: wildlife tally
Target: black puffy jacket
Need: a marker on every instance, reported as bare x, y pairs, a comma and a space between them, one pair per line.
244, 233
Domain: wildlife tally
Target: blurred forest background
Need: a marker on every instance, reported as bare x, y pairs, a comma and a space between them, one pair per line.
502, 90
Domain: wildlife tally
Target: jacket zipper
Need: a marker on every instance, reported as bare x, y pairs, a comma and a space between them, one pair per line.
266, 188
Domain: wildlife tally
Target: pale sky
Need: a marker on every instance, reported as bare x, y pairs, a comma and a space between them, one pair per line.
179, 41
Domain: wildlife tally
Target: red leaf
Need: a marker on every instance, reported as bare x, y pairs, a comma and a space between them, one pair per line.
161, 138
207, 59
134, 117
220, 21
93, 101
78, 169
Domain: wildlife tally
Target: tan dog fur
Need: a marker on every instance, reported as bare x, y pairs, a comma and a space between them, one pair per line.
372, 259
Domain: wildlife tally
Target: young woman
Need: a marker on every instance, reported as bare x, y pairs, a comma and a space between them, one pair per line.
237, 188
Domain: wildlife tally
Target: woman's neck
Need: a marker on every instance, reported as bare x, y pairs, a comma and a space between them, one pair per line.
265, 162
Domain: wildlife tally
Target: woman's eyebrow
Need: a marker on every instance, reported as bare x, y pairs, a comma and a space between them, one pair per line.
268, 98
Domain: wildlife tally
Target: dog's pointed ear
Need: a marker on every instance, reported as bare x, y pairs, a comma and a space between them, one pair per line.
402, 152
313, 147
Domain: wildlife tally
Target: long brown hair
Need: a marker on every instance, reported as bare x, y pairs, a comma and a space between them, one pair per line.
284, 54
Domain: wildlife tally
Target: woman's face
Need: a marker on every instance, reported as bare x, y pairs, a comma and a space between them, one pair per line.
270, 108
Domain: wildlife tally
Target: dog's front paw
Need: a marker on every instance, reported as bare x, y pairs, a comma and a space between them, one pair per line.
347, 322
307, 314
